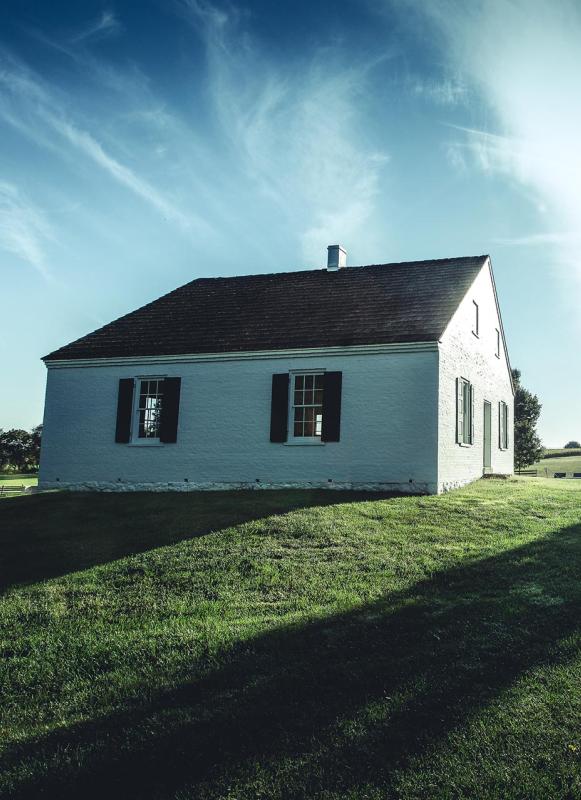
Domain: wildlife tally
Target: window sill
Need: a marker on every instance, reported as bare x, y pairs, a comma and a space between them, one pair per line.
305, 443
155, 443
465, 444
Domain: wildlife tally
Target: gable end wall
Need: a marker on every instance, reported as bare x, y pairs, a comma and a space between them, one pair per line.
461, 354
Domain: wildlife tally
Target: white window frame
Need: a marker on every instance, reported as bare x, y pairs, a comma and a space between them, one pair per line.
149, 441
465, 395
497, 342
503, 425
476, 326
300, 440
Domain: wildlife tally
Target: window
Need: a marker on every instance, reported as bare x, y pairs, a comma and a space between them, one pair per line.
475, 328
465, 412
148, 408
497, 343
503, 425
307, 405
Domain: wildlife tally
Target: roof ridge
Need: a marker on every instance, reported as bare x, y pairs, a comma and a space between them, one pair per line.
341, 269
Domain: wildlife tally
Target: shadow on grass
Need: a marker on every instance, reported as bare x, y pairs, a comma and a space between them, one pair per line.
48, 535
340, 703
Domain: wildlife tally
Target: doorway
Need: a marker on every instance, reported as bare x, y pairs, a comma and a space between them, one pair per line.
487, 437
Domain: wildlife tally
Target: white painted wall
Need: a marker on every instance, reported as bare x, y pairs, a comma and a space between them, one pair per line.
464, 355
389, 427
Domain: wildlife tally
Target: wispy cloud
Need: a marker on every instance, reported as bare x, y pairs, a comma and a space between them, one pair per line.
443, 92
24, 229
38, 113
105, 25
540, 239
87, 144
523, 57
297, 132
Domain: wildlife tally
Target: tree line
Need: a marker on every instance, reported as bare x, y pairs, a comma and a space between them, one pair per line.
20, 450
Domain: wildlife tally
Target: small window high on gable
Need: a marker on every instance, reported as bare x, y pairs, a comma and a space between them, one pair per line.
497, 343
476, 321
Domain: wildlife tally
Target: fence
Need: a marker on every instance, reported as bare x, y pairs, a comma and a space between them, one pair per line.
546, 473
9, 488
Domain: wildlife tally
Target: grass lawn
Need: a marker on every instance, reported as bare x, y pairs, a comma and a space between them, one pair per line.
552, 465
9, 479
25, 480
293, 645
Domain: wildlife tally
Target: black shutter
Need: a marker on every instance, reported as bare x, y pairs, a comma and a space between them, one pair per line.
170, 409
279, 408
124, 410
332, 406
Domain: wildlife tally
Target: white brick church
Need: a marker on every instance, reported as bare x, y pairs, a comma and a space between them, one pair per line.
387, 377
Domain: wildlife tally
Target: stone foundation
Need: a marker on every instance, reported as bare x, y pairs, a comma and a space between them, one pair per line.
191, 486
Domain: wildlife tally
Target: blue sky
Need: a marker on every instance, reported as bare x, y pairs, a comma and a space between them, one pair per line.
144, 144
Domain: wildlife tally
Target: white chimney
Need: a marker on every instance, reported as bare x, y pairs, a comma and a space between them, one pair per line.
336, 257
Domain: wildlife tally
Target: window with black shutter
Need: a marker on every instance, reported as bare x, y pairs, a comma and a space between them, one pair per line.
306, 407
148, 410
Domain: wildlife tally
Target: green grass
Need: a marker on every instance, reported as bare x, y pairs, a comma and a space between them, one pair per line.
26, 480
552, 465
16, 480
293, 645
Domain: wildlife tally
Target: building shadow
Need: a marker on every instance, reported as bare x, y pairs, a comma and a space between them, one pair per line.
49, 535
338, 704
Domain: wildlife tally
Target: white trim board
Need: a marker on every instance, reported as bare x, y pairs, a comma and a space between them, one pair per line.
250, 355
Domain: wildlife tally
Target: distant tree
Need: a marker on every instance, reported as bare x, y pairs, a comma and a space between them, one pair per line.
15, 447
3, 451
34, 450
572, 445
527, 410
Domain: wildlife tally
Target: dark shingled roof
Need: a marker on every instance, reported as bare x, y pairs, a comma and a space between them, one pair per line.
378, 304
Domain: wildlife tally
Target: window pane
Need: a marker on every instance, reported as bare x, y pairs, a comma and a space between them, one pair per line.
149, 408
307, 404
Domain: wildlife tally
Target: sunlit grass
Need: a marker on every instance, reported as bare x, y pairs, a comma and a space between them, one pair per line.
286, 645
